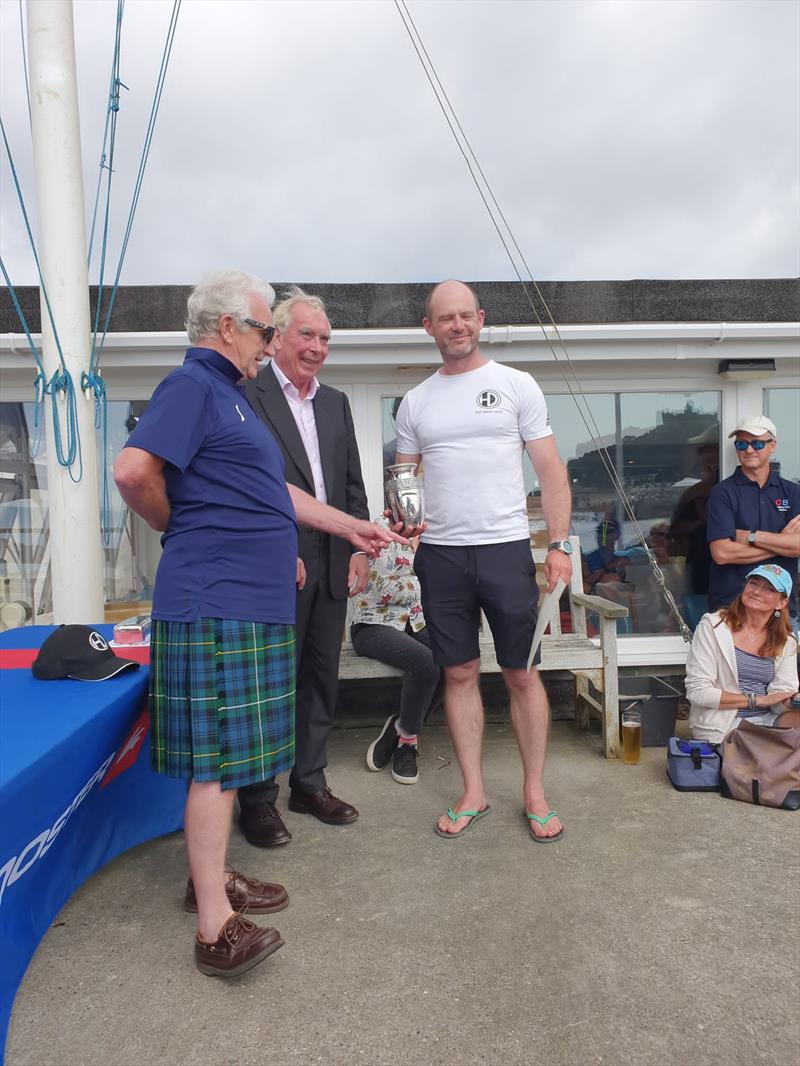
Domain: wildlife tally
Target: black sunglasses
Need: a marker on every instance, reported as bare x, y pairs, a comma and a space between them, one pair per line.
268, 332
756, 445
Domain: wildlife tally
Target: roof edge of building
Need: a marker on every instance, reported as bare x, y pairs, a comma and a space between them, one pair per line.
368, 305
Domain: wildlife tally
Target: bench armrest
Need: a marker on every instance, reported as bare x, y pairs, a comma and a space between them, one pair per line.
604, 607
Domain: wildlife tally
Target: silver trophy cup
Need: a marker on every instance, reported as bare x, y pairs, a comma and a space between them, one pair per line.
405, 494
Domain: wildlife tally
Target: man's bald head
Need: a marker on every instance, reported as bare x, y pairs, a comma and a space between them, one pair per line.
454, 319
443, 285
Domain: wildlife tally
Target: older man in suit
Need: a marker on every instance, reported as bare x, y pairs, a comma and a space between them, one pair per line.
314, 429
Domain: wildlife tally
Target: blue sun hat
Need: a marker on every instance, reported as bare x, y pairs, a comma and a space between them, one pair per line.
779, 578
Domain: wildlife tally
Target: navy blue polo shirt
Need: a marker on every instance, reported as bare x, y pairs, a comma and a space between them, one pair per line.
231, 545
739, 503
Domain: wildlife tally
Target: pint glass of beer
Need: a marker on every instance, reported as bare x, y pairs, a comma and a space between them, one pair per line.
631, 737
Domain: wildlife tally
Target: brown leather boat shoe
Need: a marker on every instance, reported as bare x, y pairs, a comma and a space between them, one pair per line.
263, 827
241, 945
324, 806
259, 897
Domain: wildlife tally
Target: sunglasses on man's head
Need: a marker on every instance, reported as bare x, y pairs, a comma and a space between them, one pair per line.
756, 445
267, 332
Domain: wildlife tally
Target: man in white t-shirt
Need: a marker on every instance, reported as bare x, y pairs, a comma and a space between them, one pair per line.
469, 424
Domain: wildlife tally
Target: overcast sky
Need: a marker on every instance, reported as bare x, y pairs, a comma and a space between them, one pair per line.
301, 141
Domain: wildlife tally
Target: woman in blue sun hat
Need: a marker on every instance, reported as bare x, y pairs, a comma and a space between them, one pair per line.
743, 660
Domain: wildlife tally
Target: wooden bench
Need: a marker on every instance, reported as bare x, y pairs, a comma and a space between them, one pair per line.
592, 662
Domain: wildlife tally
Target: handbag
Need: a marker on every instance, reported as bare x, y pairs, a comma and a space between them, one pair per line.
693, 765
762, 765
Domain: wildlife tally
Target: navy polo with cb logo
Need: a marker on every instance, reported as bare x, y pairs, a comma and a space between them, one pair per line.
739, 503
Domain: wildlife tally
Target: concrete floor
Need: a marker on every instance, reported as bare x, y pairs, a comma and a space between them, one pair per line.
662, 930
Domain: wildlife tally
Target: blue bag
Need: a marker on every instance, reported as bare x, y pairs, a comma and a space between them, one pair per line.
693, 765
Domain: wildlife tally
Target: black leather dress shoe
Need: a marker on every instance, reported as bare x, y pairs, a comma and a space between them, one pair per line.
263, 827
324, 806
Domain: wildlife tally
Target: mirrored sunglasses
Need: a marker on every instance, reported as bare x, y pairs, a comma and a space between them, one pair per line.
756, 445
267, 332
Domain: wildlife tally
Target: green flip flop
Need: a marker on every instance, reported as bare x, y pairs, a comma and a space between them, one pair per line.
542, 822
455, 815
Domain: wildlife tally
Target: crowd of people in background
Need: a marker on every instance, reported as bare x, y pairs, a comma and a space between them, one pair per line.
717, 532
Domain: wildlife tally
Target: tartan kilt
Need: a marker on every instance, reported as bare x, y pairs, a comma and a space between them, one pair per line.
222, 700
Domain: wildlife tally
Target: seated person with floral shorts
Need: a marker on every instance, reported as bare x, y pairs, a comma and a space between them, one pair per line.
388, 625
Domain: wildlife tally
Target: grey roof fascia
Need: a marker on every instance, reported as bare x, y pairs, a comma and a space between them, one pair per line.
162, 308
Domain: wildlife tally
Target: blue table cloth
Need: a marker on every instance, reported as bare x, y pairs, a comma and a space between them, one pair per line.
77, 790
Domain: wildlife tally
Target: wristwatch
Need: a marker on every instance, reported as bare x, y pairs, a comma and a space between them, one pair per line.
751, 538
564, 546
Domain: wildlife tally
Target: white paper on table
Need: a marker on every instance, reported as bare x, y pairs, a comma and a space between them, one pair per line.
547, 612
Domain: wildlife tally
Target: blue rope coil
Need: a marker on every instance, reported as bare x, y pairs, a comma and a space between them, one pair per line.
93, 381
66, 455
61, 381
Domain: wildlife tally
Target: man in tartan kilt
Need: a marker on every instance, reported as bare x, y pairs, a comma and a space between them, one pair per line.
201, 468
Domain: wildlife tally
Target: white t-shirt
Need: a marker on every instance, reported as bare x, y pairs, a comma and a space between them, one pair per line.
471, 430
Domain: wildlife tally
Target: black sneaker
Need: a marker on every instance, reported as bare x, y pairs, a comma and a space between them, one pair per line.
404, 764
381, 750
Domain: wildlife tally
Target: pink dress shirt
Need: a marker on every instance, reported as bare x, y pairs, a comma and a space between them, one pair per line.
303, 414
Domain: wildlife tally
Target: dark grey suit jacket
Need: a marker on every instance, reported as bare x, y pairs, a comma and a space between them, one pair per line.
341, 466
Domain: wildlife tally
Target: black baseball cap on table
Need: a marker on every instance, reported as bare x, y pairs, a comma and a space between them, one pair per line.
79, 652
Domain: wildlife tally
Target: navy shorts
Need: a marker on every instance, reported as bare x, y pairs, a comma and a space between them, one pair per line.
460, 582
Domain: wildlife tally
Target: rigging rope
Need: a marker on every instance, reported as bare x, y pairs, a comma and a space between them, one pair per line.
92, 380
25, 63
162, 74
38, 381
68, 451
112, 110
492, 206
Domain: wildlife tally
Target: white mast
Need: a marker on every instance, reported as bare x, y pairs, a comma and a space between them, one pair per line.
75, 552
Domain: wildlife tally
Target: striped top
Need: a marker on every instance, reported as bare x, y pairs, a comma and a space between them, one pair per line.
755, 674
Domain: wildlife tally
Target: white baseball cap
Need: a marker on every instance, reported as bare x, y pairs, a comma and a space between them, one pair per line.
758, 425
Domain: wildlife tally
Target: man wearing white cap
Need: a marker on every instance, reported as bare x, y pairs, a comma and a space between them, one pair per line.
753, 516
